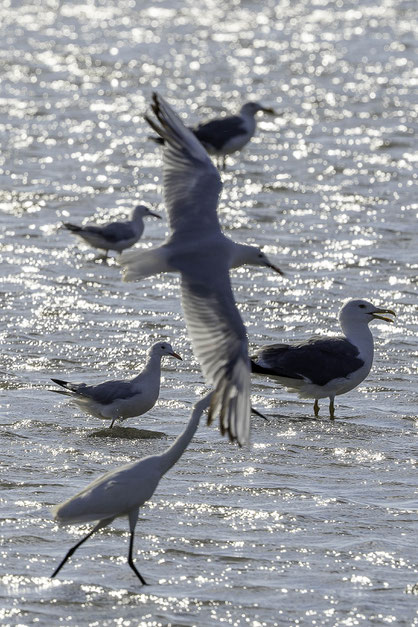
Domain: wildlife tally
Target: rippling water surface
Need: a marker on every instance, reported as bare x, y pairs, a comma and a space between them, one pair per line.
315, 523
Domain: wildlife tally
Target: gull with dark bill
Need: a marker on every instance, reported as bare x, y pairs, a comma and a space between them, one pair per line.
223, 136
325, 367
117, 399
115, 235
198, 250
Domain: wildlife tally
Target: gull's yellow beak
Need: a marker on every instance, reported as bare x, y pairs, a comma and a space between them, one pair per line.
377, 314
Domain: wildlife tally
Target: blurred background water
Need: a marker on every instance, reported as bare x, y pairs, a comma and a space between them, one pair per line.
315, 523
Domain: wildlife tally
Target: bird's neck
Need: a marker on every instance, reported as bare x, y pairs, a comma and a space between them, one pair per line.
173, 454
361, 336
250, 120
153, 366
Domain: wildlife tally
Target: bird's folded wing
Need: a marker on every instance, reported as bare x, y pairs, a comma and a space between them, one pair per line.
110, 391
112, 494
319, 359
191, 182
138, 264
218, 132
117, 231
220, 344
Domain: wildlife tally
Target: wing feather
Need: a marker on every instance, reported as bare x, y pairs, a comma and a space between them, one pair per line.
192, 184
220, 344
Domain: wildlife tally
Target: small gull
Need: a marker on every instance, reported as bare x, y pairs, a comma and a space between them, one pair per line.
325, 366
121, 492
115, 235
223, 136
201, 253
117, 399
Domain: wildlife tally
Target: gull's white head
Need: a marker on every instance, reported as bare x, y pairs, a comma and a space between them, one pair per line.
362, 312
162, 349
253, 256
251, 108
141, 211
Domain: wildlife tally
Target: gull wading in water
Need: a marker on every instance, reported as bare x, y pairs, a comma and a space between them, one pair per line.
325, 366
223, 136
122, 491
201, 253
118, 400
115, 235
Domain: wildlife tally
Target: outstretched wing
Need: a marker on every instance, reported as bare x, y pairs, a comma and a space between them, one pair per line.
220, 344
191, 182
202, 254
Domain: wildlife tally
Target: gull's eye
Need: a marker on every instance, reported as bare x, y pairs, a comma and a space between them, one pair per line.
362, 306
260, 255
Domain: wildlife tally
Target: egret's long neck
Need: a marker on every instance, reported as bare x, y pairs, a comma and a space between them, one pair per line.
173, 454
152, 367
359, 335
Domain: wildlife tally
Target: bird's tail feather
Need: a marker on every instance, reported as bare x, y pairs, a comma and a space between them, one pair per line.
139, 264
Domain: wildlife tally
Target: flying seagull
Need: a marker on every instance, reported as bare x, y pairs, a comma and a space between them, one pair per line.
324, 367
119, 400
223, 136
115, 235
201, 253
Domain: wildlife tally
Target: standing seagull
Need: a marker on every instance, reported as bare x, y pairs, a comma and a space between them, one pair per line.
115, 235
223, 136
121, 492
201, 253
325, 366
118, 400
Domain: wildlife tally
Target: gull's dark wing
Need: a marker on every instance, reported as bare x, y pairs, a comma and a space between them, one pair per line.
319, 360
218, 132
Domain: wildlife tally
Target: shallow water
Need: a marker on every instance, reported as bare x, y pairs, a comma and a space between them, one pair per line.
315, 523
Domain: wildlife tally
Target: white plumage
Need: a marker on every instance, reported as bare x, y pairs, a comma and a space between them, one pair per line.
121, 492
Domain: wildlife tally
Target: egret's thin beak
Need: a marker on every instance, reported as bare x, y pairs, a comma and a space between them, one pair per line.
176, 355
156, 215
275, 268
269, 110
377, 312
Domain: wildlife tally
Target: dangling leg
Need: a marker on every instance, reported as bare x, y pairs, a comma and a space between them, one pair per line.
316, 408
113, 422
133, 517
100, 524
331, 407
223, 163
